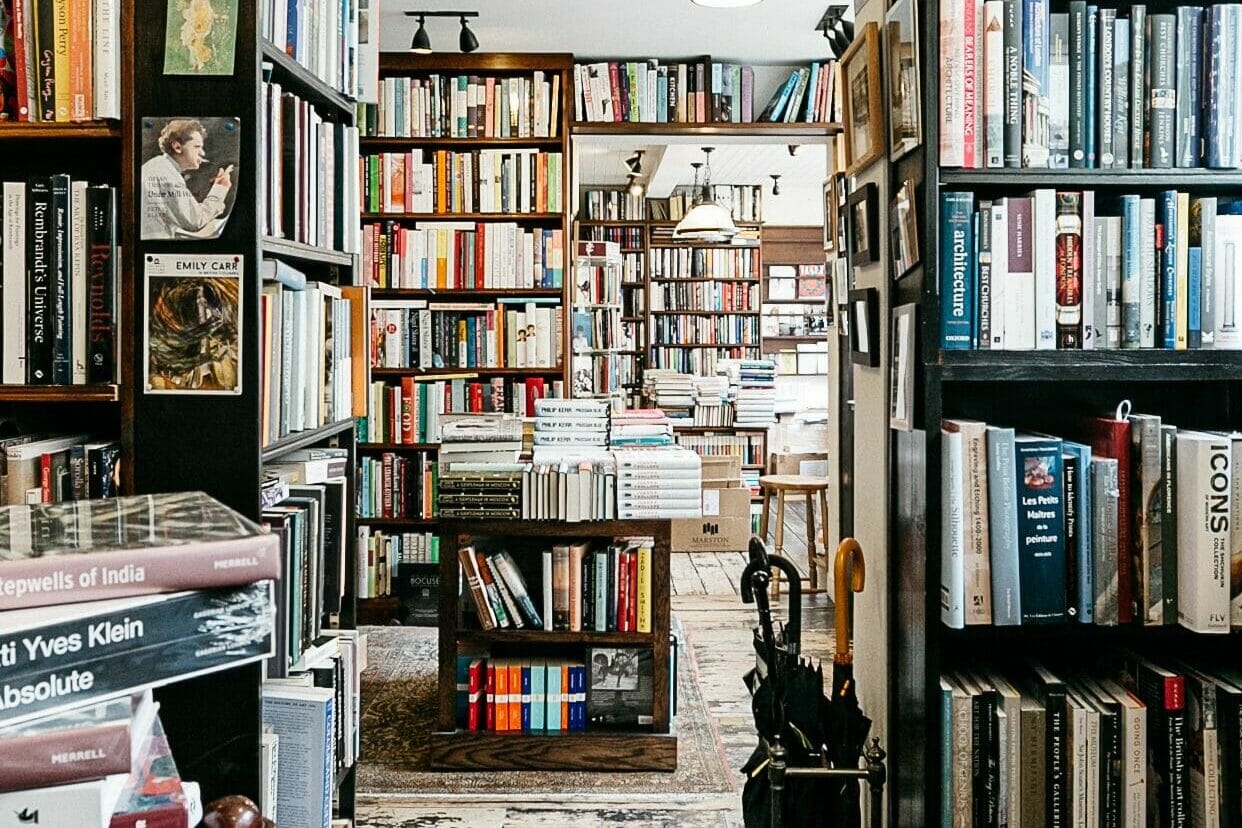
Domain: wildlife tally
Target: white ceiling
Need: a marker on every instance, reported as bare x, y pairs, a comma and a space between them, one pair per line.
774, 31
742, 164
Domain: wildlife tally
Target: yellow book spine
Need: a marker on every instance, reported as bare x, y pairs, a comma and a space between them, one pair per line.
61, 65
1183, 271
644, 589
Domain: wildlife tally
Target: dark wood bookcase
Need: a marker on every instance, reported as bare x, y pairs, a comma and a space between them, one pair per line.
213, 443
1046, 391
589, 750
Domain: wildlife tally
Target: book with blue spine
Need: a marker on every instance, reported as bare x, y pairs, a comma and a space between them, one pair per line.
1003, 532
1035, 57
1084, 591
1121, 92
1166, 216
527, 697
1220, 133
957, 286
1131, 273
1092, 73
1041, 528
538, 695
1194, 288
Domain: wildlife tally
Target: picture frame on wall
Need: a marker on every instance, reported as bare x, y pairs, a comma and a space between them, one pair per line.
905, 343
840, 292
830, 214
901, 41
864, 327
860, 68
903, 225
862, 217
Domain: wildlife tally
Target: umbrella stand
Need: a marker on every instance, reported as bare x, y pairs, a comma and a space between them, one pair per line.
876, 774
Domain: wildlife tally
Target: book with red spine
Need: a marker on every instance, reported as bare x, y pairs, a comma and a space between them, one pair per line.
489, 719
476, 677
631, 580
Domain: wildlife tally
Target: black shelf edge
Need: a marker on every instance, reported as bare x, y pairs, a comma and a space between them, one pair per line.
1088, 366
302, 439
304, 253
296, 78
1084, 178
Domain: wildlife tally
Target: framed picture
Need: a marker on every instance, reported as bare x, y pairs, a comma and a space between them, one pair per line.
904, 228
840, 292
864, 327
863, 220
864, 135
812, 283
905, 122
901, 398
830, 214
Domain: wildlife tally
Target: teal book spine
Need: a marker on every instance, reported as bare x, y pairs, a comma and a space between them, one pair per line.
1167, 211
538, 696
957, 286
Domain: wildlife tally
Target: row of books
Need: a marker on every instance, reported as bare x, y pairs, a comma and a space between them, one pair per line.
60, 262
1130, 741
794, 320
704, 263
1133, 525
728, 329
744, 201
306, 352
607, 589
636, 428
633, 304
749, 448
65, 65
478, 181
410, 412
628, 237
612, 205
332, 39
571, 423
597, 281
466, 106
461, 255
698, 360
597, 375
704, 91
598, 329
309, 190
1087, 87
612, 688
385, 557
1046, 270
397, 486
704, 296
412, 333
41, 468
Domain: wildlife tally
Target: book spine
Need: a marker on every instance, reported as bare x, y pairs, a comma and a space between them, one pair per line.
45, 58
1045, 260
1091, 335
1003, 511
952, 84
994, 83
1069, 271
1146, 449
1169, 523
1104, 548
1092, 71
975, 515
1106, 87
1182, 263
1072, 485
1060, 91
983, 310
61, 293
1121, 93
1206, 210
1203, 472
1147, 273
957, 282
1163, 107
173, 637
59, 757
1012, 22
1188, 138
102, 267
953, 533
998, 250
39, 269
1138, 85
1041, 533
1057, 767
14, 274
1131, 273
1167, 214
972, 60
1035, 83
1077, 83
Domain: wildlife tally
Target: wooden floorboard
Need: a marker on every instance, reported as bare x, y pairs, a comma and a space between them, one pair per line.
715, 579
683, 576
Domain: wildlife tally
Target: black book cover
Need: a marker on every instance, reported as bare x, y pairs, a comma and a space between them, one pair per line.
39, 267
620, 692
1164, 694
278, 665
418, 587
70, 655
985, 758
61, 294
45, 58
102, 471
101, 269
1073, 526
334, 545
291, 215
1051, 692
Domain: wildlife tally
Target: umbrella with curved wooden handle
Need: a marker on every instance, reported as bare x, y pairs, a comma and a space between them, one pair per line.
849, 575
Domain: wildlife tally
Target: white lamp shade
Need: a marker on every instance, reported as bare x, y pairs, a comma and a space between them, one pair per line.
707, 220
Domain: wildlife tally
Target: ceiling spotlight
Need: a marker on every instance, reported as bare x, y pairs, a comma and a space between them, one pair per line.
776, 184
635, 163
421, 45
468, 41
793, 149
636, 187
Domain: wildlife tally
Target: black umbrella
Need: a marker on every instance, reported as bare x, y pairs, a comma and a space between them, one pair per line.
847, 726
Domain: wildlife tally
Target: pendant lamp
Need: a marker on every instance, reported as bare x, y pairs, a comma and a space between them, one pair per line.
706, 220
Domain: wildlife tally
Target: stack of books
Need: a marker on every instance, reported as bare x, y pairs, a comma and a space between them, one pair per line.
752, 387
571, 424
711, 401
658, 483
670, 391
640, 427
479, 476
92, 589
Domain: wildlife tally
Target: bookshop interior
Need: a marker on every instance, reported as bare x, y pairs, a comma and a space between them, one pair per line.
555, 413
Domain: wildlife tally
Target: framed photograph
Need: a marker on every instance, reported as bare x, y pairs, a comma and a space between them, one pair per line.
904, 229
864, 327
901, 398
862, 217
193, 325
188, 169
864, 134
905, 123
840, 292
830, 215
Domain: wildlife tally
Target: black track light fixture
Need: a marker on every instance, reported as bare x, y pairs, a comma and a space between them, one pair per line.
635, 163
776, 183
422, 41
838, 31
468, 41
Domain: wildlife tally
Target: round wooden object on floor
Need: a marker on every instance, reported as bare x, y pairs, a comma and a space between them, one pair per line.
812, 488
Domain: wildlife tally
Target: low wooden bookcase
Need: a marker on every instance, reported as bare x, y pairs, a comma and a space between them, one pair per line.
647, 750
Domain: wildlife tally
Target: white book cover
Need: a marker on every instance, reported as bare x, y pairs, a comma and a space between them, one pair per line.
952, 82
106, 59
952, 532
1044, 211
80, 805
303, 719
974, 465
269, 763
1235, 524
1133, 722
13, 258
1229, 280
1079, 778
1112, 280
1203, 536
1147, 274
1000, 269
547, 589
994, 83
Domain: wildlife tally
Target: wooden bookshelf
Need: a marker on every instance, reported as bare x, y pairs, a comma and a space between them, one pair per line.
88, 130
818, 132
512, 218
433, 294
452, 748
60, 393
389, 143
302, 255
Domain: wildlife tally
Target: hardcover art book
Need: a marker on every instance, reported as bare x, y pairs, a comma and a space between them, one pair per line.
56, 553
621, 693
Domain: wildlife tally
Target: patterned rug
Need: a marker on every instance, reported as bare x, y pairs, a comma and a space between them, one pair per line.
398, 713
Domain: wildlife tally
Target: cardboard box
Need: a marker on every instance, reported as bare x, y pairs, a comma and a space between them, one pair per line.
812, 463
725, 524
722, 469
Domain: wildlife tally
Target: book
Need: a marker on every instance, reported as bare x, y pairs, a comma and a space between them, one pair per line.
155, 795
1204, 469
303, 718
620, 694
1041, 528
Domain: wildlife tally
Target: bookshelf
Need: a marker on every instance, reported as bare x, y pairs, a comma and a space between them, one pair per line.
214, 442
792, 247
589, 750
1188, 388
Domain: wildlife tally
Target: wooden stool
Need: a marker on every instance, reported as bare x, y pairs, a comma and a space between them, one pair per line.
810, 487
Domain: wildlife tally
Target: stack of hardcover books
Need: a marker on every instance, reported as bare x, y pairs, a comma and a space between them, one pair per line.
561, 424
658, 483
99, 602
670, 391
752, 387
640, 427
